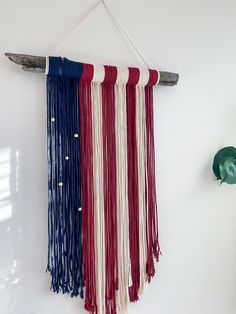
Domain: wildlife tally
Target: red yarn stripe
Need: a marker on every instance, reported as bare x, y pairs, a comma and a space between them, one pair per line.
87, 196
153, 247
110, 204
133, 191
153, 77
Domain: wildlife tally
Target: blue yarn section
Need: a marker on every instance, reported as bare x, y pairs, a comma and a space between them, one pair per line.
64, 177
64, 67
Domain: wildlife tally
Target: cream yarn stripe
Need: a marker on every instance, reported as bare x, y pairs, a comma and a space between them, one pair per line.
122, 297
96, 90
140, 133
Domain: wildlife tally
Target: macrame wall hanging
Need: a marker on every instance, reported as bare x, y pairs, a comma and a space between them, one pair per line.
102, 209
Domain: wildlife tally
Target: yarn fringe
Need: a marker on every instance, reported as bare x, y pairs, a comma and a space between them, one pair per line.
64, 218
102, 206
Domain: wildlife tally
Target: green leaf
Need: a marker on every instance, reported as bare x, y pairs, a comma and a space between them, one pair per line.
229, 151
227, 169
224, 165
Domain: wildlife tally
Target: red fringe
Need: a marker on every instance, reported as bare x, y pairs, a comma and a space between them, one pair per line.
153, 247
87, 196
133, 191
110, 197
110, 204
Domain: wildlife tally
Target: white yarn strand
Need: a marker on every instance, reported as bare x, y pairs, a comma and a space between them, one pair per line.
96, 90
122, 297
140, 133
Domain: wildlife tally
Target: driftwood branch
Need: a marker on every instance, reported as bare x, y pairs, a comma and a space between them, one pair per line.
37, 64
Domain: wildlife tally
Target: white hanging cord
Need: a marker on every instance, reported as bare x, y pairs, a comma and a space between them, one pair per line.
115, 20
59, 47
124, 33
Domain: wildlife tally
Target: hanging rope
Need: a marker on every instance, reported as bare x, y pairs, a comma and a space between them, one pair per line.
75, 30
120, 28
124, 33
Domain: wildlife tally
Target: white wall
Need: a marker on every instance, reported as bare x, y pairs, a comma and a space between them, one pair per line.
197, 273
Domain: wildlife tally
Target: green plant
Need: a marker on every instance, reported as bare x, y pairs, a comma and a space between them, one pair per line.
224, 165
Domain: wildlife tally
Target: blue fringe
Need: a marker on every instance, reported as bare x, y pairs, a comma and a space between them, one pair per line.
64, 182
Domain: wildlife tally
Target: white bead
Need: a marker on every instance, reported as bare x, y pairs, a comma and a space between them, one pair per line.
52, 119
79, 209
76, 135
67, 158
60, 184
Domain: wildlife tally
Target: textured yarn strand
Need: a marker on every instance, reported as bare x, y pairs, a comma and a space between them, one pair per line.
140, 128
122, 200
98, 196
87, 196
110, 203
133, 192
153, 247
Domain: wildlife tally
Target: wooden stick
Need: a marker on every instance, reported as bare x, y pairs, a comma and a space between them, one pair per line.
38, 64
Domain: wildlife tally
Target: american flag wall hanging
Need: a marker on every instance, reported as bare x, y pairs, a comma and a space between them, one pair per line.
102, 211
